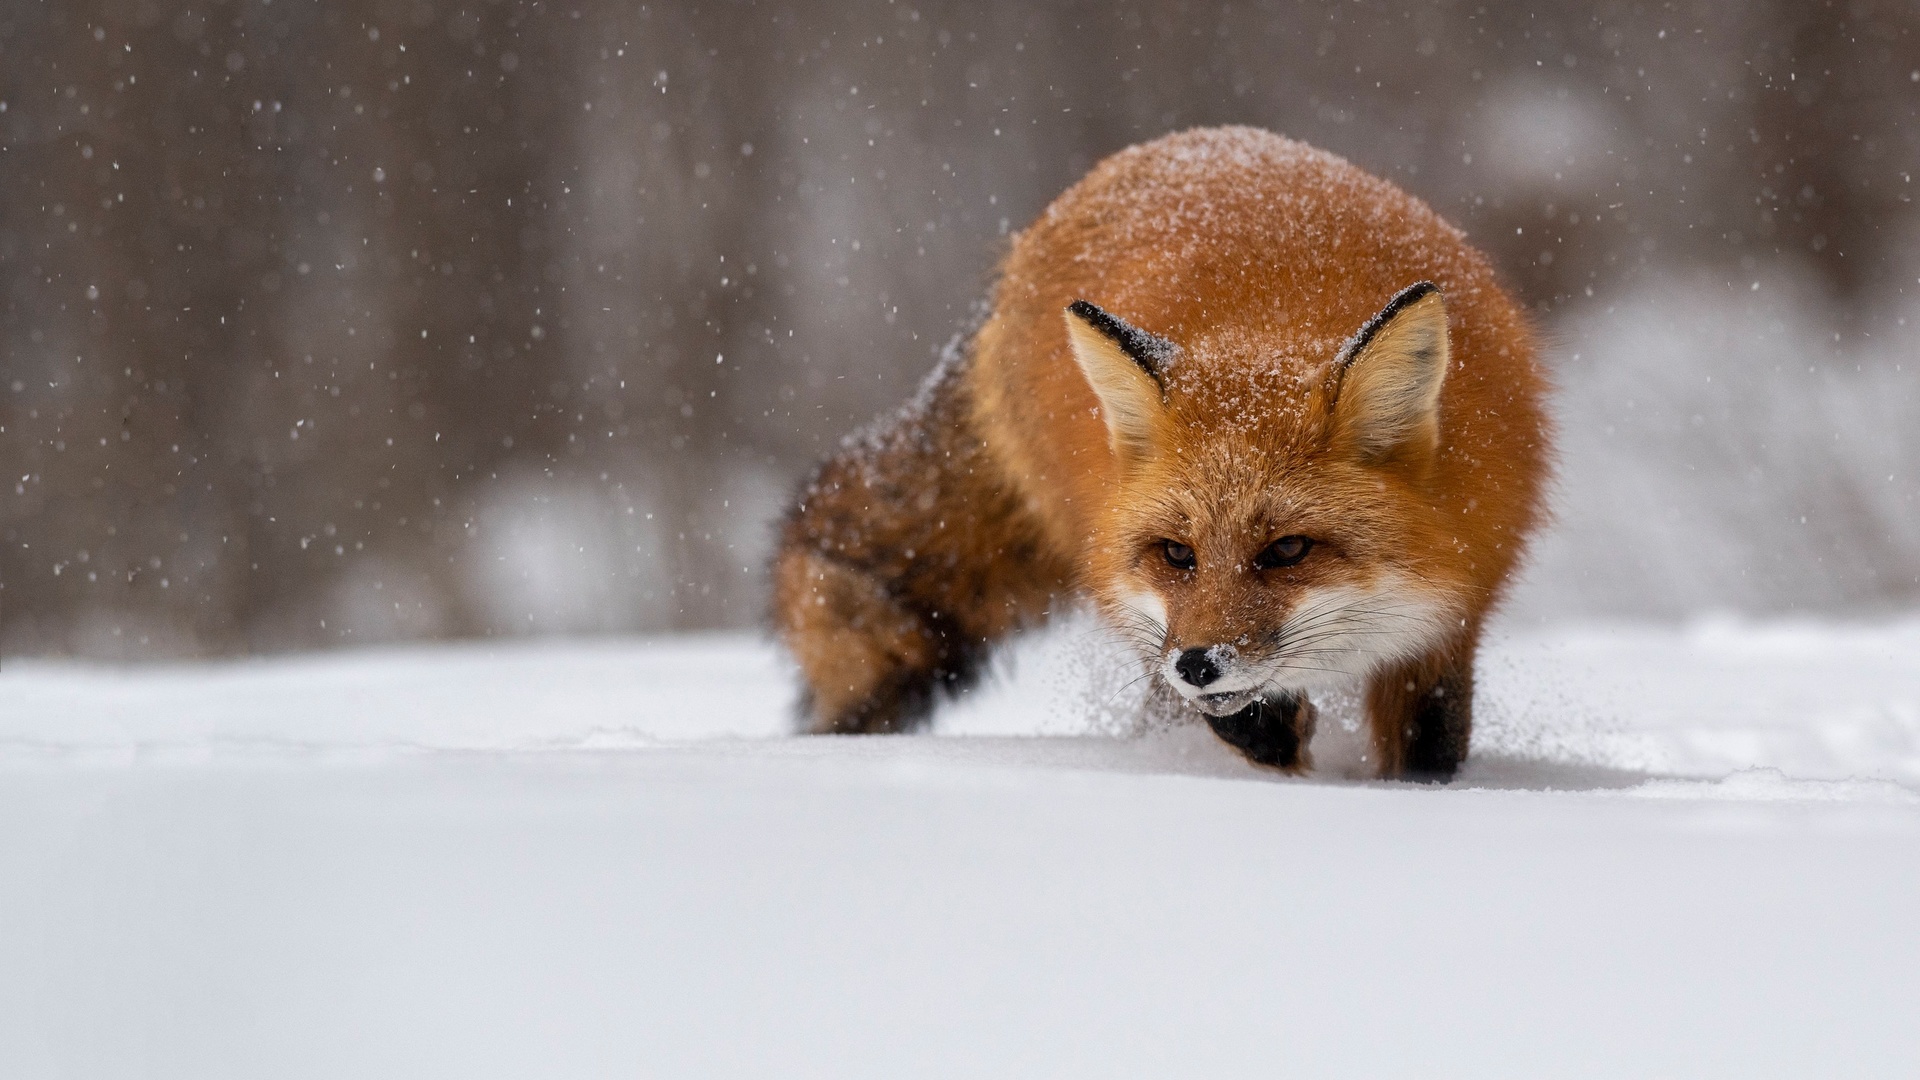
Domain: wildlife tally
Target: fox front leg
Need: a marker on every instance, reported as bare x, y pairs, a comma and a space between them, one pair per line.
1421, 714
1273, 731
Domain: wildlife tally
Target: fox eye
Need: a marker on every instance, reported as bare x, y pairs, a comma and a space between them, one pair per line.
1285, 551
1179, 556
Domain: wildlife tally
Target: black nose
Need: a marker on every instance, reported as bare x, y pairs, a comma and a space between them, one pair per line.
1197, 666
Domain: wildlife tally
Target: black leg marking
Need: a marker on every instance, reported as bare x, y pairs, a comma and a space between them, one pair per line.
1442, 726
1267, 731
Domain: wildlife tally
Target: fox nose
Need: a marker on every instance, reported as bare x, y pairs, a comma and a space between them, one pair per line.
1198, 666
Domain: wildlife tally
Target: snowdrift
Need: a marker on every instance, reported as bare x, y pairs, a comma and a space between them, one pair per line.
1675, 852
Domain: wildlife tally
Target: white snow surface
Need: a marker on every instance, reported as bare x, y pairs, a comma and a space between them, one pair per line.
1675, 852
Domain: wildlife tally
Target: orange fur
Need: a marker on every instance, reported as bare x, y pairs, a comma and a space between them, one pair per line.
1255, 261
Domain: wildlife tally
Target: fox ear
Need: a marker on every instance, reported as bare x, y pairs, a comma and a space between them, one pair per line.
1388, 394
1125, 365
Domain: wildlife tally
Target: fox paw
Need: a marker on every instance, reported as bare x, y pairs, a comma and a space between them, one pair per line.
1272, 731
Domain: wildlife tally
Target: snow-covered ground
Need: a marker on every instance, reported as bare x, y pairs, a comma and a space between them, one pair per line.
1676, 852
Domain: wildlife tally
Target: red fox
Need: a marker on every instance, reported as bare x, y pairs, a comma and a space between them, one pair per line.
1271, 414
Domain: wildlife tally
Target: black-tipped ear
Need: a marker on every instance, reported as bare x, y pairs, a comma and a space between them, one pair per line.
1390, 376
1151, 352
1125, 366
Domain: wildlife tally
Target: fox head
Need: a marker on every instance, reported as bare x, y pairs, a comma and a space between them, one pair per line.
1272, 527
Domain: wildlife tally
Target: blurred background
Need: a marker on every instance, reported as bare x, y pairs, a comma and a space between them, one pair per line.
372, 320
